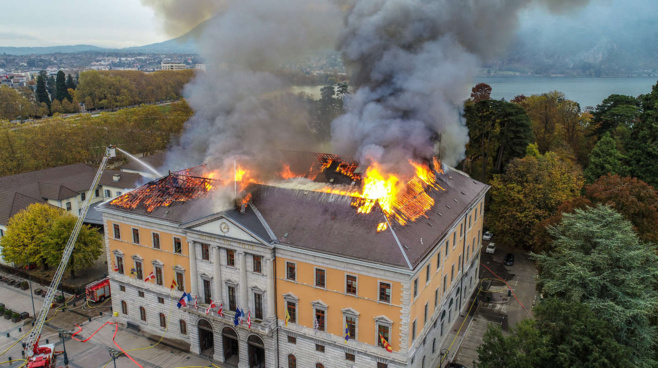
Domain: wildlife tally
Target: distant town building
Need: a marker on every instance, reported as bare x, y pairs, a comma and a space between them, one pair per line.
172, 66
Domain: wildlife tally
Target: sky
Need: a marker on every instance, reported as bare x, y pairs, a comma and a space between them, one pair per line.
105, 23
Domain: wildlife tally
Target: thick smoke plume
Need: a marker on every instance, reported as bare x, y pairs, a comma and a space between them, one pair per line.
179, 16
243, 110
412, 63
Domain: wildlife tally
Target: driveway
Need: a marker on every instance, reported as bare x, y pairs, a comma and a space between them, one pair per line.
498, 306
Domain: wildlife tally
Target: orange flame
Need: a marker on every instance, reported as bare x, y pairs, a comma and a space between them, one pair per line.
381, 227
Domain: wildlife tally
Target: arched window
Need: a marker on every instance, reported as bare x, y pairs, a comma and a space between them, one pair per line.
183, 327
319, 365
292, 361
124, 307
142, 313
163, 320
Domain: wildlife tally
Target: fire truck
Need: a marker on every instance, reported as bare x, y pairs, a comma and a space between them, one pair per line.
99, 290
44, 355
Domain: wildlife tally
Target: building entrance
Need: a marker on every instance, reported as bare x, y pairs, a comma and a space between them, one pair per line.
206, 338
230, 343
256, 352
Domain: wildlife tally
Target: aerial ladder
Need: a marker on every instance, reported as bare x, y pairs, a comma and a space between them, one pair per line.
42, 356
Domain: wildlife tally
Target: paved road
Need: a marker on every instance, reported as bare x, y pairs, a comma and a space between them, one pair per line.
93, 353
500, 308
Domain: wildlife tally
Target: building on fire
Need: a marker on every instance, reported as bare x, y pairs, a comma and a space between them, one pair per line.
324, 282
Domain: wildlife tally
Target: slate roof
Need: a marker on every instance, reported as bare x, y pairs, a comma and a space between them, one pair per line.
57, 183
157, 160
329, 224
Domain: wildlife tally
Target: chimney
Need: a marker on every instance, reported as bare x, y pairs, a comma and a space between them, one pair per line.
241, 203
116, 177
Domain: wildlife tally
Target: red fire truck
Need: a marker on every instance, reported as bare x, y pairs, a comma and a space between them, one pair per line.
99, 290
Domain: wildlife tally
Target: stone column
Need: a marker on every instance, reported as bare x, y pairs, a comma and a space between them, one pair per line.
271, 297
193, 274
217, 285
244, 294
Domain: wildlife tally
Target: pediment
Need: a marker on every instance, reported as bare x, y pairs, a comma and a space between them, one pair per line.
224, 227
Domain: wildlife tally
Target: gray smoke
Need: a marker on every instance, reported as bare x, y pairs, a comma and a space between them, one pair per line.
243, 110
412, 63
179, 17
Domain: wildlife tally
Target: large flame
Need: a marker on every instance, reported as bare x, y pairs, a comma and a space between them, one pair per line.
401, 199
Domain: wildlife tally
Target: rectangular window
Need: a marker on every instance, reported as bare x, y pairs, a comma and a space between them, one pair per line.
447, 247
290, 271
459, 263
108, 194
413, 330
350, 322
120, 264
97, 193
461, 229
124, 307
163, 320
382, 365
83, 196
178, 246
350, 286
207, 296
135, 236
384, 292
438, 260
205, 252
320, 317
122, 288
232, 305
427, 273
475, 218
258, 264
445, 282
415, 288
469, 221
427, 308
320, 278
292, 340
350, 357
454, 240
319, 348
481, 203
382, 331
142, 313
180, 280
68, 206
160, 300
117, 231
2, 233
258, 306
230, 257
292, 311
138, 270
436, 298
183, 327
156, 240
452, 273
141, 294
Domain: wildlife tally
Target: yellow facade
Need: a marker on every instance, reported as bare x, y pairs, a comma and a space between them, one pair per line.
145, 250
365, 302
427, 289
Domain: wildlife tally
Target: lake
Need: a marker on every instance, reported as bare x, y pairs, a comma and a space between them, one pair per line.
585, 91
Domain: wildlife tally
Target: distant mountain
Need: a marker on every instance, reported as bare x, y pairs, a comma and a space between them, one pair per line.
185, 44
50, 50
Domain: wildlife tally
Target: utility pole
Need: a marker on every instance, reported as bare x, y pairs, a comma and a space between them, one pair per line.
63, 334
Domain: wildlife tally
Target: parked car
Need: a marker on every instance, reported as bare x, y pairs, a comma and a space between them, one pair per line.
491, 248
455, 365
487, 235
509, 259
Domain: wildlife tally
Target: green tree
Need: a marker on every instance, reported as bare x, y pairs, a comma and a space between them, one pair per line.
528, 192
615, 111
38, 235
564, 335
498, 132
642, 142
42, 92
604, 159
70, 83
28, 233
50, 86
61, 92
598, 260
88, 245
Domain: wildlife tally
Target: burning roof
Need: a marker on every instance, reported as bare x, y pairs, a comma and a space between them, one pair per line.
386, 214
